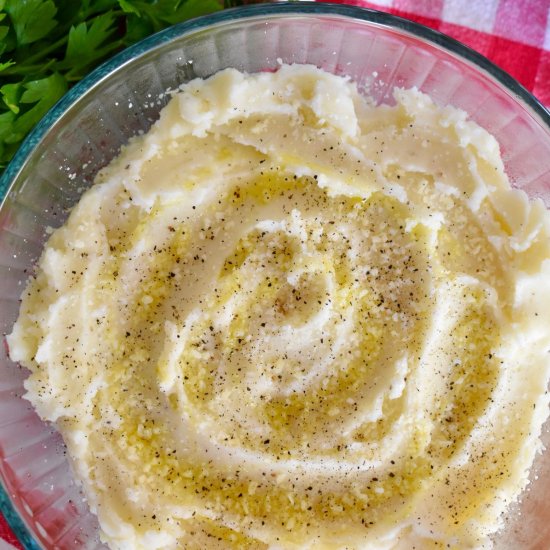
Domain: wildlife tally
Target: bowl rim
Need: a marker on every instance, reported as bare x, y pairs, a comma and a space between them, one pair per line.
271, 10
16, 522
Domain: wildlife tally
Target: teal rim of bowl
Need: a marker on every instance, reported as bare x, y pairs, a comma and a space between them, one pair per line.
17, 525
299, 8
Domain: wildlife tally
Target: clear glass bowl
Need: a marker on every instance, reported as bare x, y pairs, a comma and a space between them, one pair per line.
85, 130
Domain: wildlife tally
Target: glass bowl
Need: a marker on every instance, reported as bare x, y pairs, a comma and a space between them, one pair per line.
86, 129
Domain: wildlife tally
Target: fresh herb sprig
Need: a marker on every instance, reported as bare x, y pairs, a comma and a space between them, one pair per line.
48, 45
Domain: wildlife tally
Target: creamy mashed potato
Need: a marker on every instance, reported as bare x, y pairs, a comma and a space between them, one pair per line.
289, 318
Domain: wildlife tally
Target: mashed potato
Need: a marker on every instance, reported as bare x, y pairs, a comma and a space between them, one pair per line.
288, 318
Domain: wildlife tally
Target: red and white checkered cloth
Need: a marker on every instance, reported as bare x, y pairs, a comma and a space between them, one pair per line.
514, 34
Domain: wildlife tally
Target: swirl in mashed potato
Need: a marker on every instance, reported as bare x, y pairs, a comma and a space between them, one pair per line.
289, 318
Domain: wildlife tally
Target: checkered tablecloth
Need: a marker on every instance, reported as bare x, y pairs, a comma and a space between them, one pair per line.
514, 34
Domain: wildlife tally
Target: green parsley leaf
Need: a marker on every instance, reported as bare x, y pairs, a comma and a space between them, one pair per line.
47, 45
137, 28
44, 93
11, 94
85, 41
3, 33
181, 11
6, 65
6, 123
67, 13
127, 7
91, 7
163, 12
31, 19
